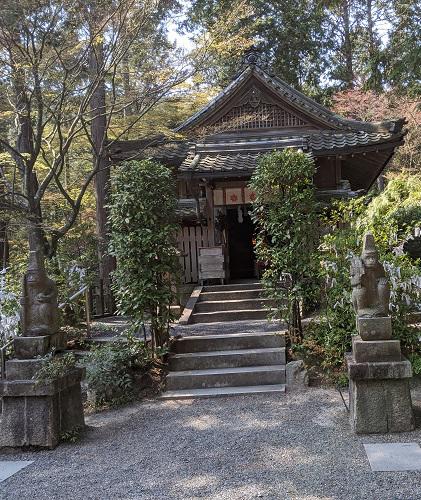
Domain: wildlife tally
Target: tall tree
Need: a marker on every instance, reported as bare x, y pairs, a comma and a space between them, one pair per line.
403, 68
98, 131
48, 84
292, 34
341, 19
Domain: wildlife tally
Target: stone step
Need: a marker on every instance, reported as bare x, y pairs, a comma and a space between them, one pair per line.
236, 315
227, 359
214, 392
226, 377
230, 341
231, 295
232, 287
232, 305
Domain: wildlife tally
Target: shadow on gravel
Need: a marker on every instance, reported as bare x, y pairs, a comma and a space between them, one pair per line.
417, 413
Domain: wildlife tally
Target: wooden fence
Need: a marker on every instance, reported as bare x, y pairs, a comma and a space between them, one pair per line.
101, 302
189, 240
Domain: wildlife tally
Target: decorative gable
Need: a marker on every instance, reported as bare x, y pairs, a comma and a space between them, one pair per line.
256, 110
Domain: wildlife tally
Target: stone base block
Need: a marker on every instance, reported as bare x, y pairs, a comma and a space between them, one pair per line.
32, 347
364, 351
23, 369
375, 328
378, 370
380, 406
37, 415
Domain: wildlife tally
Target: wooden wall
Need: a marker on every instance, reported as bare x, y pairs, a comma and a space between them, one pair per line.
190, 239
328, 173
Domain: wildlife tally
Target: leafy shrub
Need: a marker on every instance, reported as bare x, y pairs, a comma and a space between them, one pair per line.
9, 307
111, 369
143, 240
76, 337
416, 363
72, 436
392, 217
284, 212
55, 367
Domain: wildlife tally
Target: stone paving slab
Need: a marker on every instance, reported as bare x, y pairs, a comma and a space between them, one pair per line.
394, 456
8, 468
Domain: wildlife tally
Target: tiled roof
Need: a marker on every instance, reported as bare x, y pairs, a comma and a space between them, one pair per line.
337, 140
241, 156
161, 149
294, 97
222, 163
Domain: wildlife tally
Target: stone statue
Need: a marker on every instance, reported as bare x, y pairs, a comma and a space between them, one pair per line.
370, 290
39, 302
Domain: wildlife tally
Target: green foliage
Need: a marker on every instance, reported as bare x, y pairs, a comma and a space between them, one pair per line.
110, 370
403, 65
9, 306
392, 217
292, 34
415, 360
143, 240
55, 367
72, 436
322, 46
284, 212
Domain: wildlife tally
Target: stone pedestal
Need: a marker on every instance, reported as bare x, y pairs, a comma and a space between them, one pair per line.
32, 347
380, 399
38, 414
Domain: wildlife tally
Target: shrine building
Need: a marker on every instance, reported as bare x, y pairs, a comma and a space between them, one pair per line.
255, 114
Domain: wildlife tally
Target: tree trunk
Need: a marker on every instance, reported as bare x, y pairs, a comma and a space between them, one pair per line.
4, 245
102, 178
25, 144
128, 110
347, 46
374, 79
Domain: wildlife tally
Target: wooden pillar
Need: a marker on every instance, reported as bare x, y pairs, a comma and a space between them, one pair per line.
338, 169
210, 215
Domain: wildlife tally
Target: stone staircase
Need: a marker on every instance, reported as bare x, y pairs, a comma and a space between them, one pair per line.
234, 302
226, 364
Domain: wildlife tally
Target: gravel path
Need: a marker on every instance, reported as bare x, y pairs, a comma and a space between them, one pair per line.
294, 446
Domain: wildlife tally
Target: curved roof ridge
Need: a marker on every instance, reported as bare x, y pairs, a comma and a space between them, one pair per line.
227, 91
394, 125
306, 104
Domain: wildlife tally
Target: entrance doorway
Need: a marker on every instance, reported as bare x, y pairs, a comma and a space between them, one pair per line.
240, 243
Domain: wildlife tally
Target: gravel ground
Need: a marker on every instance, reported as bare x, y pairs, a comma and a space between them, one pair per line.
293, 446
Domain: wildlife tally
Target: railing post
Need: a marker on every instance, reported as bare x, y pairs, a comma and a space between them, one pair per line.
88, 312
3, 364
101, 298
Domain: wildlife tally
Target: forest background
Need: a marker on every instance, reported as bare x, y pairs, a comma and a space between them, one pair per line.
362, 58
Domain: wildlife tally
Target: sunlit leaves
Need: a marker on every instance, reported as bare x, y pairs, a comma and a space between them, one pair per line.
284, 212
142, 214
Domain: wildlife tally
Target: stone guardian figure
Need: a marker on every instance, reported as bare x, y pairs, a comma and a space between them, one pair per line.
379, 395
39, 302
370, 290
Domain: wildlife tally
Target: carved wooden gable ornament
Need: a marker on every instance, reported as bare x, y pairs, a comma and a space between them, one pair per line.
256, 110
